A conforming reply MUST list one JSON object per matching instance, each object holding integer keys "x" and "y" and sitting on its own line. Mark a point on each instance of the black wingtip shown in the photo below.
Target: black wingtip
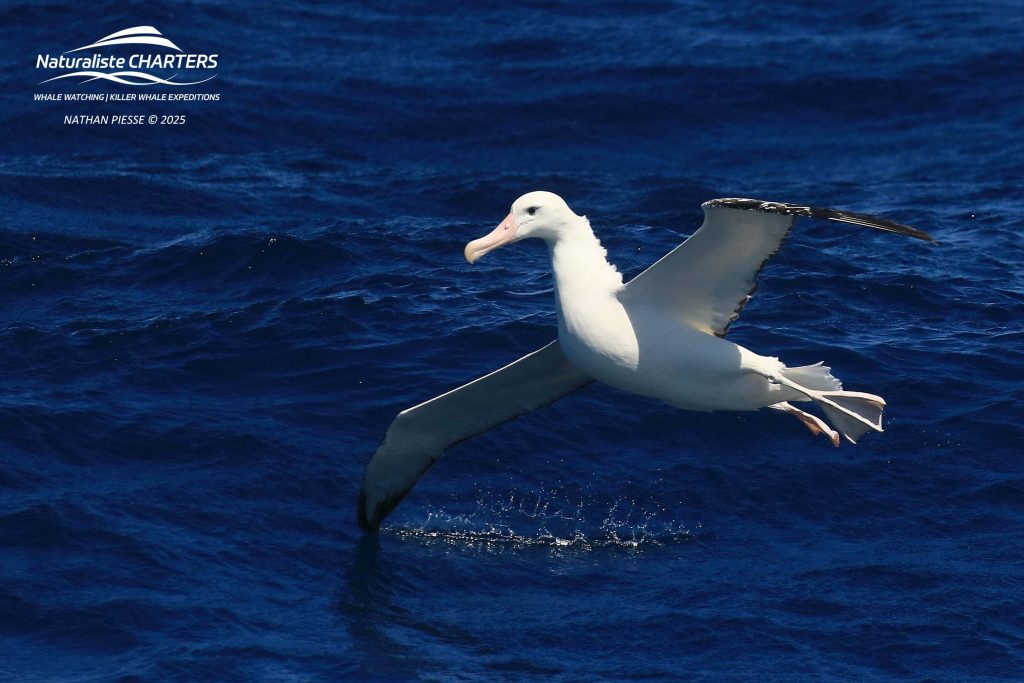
{"x": 365, "y": 523}
{"x": 869, "y": 221}
{"x": 371, "y": 523}
{"x": 820, "y": 212}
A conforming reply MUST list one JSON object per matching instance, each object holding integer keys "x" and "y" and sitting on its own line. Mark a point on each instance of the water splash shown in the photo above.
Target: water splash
{"x": 553, "y": 520}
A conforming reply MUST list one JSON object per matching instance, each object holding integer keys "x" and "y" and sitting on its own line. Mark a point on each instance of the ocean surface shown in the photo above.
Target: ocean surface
{"x": 206, "y": 329}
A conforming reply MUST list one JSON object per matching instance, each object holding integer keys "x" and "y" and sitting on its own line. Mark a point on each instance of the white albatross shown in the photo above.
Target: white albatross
{"x": 662, "y": 335}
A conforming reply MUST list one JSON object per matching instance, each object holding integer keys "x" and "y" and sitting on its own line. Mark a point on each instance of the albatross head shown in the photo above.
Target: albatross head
{"x": 535, "y": 214}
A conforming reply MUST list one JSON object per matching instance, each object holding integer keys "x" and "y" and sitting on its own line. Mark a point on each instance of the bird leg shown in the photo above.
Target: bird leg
{"x": 812, "y": 422}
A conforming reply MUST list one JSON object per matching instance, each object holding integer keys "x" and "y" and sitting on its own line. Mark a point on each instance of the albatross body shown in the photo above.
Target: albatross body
{"x": 629, "y": 342}
{"x": 661, "y": 335}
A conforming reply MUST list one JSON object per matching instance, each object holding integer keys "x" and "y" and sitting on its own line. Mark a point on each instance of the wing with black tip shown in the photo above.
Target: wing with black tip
{"x": 706, "y": 280}
{"x": 419, "y": 436}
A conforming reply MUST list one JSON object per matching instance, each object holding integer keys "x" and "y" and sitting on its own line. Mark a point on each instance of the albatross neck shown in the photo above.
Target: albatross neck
{"x": 580, "y": 264}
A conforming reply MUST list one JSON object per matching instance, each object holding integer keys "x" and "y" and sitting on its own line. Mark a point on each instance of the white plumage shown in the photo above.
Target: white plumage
{"x": 660, "y": 335}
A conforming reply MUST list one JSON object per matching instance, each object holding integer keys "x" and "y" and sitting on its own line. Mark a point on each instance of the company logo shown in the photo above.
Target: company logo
{"x": 138, "y": 68}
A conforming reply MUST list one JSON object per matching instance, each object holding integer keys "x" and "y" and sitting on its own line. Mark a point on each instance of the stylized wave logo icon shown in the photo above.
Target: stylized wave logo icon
{"x": 123, "y": 76}
{"x": 129, "y": 70}
{"x": 136, "y": 35}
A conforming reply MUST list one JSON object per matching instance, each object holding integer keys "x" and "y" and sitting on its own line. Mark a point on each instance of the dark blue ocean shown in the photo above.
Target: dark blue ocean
{"x": 206, "y": 329}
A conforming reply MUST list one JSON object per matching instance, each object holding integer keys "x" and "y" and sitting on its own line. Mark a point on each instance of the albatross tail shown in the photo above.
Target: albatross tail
{"x": 852, "y": 413}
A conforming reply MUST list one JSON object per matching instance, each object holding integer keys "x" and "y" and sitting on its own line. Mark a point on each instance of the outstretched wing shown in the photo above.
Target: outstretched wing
{"x": 421, "y": 434}
{"x": 706, "y": 280}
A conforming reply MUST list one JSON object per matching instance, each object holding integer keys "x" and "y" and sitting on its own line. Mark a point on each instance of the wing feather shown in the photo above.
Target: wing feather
{"x": 708, "y": 279}
{"x": 419, "y": 436}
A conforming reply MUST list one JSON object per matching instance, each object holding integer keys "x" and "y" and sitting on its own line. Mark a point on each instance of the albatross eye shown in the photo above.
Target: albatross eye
{"x": 532, "y": 210}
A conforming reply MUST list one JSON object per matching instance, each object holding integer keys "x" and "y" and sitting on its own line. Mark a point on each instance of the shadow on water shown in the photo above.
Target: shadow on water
{"x": 367, "y": 604}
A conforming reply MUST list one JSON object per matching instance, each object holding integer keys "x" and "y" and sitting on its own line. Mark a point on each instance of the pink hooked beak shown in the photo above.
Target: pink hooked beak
{"x": 503, "y": 234}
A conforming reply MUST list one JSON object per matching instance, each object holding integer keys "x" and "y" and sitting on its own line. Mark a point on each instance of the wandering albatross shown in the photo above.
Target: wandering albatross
{"x": 661, "y": 335}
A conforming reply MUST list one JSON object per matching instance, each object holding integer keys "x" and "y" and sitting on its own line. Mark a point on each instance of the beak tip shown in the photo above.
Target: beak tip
{"x": 503, "y": 234}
